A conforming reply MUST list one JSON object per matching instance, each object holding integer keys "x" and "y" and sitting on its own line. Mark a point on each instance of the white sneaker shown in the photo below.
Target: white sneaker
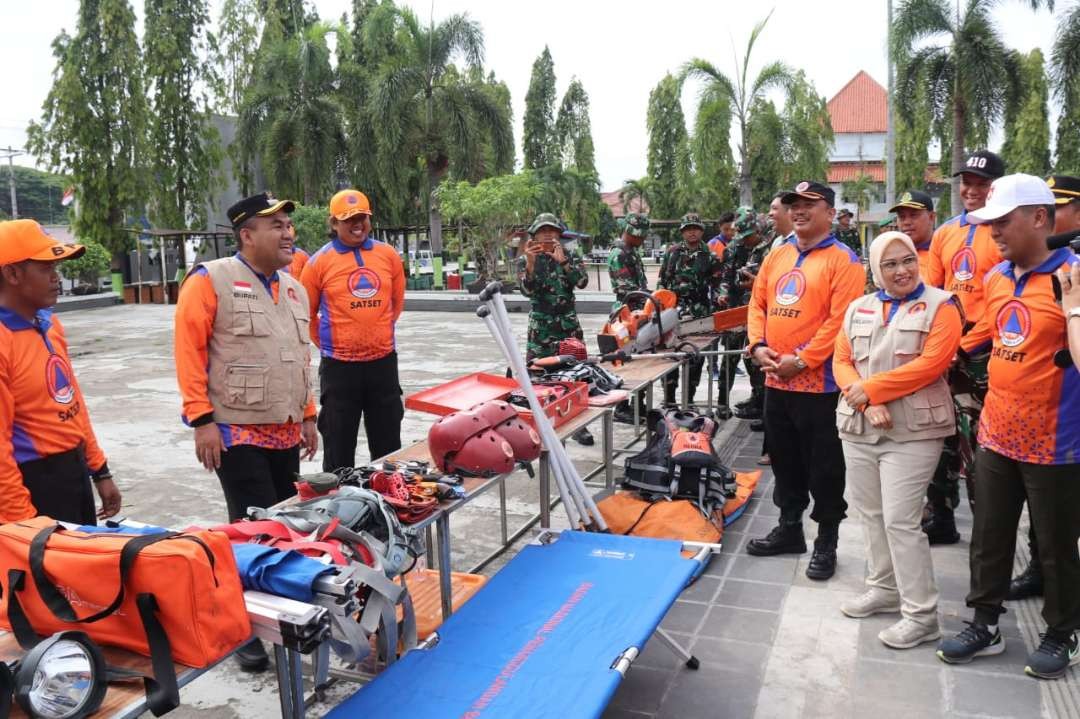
{"x": 908, "y": 633}
{"x": 872, "y": 601}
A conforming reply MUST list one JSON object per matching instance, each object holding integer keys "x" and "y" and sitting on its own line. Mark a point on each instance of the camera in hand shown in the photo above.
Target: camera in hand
{"x": 1065, "y": 239}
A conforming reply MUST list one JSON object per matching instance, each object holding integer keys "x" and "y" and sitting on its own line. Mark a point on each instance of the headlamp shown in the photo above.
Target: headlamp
{"x": 62, "y": 677}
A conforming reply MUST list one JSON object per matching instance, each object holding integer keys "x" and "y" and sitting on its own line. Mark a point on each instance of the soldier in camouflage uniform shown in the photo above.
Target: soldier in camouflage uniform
{"x": 741, "y": 262}
{"x": 624, "y": 263}
{"x": 548, "y": 275}
{"x": 692, "y": 272}
{"x": 846, "y": 233}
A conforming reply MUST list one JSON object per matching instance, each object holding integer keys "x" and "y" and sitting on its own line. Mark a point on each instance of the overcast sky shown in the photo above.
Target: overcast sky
{"x": 619, "y": 51}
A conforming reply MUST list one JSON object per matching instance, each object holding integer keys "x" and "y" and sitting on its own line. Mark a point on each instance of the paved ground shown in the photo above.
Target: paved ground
{"x": 772, "y": 643}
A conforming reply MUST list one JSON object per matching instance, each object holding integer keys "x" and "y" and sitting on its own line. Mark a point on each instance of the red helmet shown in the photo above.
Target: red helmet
{"x": 464, "y": 442}
{"x": 495, "y": 411}
{"x": 522, "y": 438}
{"x": 574, "y": 347}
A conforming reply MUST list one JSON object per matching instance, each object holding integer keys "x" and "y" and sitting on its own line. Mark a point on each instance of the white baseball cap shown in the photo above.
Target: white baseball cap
{"x": 1009, "y": 192}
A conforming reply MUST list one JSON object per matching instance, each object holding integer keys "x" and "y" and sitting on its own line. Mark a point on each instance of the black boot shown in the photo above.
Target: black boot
{"x": 785, "y": 538}
{"x": 252, "y": 657}
{"x": 940, "y": 526}
{"x": 823, "y": 561}
{"x": 1029, "y": 583}
{"x": 583, "y": 437}
{"x": 624, "y": 413}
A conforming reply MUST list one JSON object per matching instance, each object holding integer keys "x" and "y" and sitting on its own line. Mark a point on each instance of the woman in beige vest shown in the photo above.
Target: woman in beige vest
{"x": 891, "y": 356}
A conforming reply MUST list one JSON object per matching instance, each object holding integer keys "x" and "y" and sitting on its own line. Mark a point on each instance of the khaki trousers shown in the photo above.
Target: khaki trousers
{"x": 887, "y": 482}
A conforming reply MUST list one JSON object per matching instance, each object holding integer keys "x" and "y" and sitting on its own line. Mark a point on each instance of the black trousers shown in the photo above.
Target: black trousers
{"x": 257, "y": 477}
{"x": 671, "y": 381}
{"x": 351, "y": 391}
{"x": 1053, "y": 496}
{"x": 726, "y": 367}
{"x": 60, "y": 486}
{"x": 807, "y": 458}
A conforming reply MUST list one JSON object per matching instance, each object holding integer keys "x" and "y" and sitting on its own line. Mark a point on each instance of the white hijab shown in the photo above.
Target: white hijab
{"x": 877, "y": 249}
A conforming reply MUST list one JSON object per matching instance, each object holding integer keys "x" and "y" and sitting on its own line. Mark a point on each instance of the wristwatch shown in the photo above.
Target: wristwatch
{"x": 1074, "y": 312}
{"x": 799, "y": 362}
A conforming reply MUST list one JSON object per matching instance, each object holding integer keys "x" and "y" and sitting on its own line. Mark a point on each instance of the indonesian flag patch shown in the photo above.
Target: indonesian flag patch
{"x": 241, "y": 286}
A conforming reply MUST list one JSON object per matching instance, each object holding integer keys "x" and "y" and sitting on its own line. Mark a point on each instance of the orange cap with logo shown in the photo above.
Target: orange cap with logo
{"x": 347, "y": 203}
{"x": 25, "y": 240}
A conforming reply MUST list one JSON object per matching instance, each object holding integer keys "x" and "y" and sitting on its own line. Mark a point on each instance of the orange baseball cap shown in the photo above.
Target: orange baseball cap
{"x": 347, "y": 203}
{"x": 25, "y": 240}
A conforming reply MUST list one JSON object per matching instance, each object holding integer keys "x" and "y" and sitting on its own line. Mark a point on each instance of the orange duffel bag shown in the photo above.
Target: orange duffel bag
{"x": 125, "y": 590}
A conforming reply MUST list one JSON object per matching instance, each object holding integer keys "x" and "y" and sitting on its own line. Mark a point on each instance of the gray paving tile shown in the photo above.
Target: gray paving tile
{"x": 743, "y": 624}
{"x": 886, "y": 689}
{"x": 642, "y": 689}
{"x": 738, "y": 657}
{"x": 779, "y": 570}
{"x": 656, "y": 654}
{"x": 719, "y": 564}
{"x": 684, "y": 617}
{"x": 712, "y": 691}
{"x": 614, "y": 713}
{"x": 995, "y": 696}
{"x": 702, "y": 590}
{"x": 751, "y": 595}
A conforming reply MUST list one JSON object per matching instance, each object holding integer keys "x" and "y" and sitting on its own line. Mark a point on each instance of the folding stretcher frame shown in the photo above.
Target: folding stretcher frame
{"x": 551, "y": 635}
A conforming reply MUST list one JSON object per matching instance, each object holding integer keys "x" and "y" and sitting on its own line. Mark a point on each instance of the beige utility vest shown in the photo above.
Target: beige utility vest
{"x": 926, "y": 413}
{"x": 259, "y": 351}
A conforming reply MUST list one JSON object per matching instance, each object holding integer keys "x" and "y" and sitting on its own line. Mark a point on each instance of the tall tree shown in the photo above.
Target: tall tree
{"x": 1027, "y": 127}
{"x": 764, "y": 142}
{"x": 483, "y": 160}
{"x": 1065, "y": 73}
{"x": 290, "y": 119}
{"x": 912, "y": 146}
{"x": 669, "y": 165}
{"x": 182, "y": 146}
{"x": 710, "y": 148}
{"x": 573, "y": 130}
{"x": 957, "y": 53}
{"x": 742, "y": 95}
{"x": 93, "y": 122}
{"x": 234, "y": 47}
{"x": 808, "y": 134}
{"x": 422, "y": 106}
{"x": 538, "y": 137}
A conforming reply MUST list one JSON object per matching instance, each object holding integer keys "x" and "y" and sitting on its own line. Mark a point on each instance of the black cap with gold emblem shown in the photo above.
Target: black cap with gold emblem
{"x": 259, "y": 205}
{"x": 1066, "y": 188}
{"x": 810, "y": 191}
{"x": 915, "y": 200}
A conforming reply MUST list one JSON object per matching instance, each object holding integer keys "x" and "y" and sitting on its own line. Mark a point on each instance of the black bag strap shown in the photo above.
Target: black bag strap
{"x": 162, "y": 691}
{"x": 57, "y": 602}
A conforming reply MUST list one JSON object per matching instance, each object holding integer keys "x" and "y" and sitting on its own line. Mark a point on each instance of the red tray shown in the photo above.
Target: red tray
{"x": 461, "y": 393}
{"x": 464, "y": 392}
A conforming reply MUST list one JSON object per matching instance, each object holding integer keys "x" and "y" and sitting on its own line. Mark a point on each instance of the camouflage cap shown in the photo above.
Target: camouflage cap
{"x": 691, "y": 219}
{"x": 745, "y": 223}
{"x": 637, "y": 224}
{"x": 546, "y": 219}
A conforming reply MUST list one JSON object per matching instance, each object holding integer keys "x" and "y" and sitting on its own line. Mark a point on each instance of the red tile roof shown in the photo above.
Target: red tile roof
{"x": 850, "y": 171}
{"x": 860, "y": 106}
{"x": 612, "y": 200}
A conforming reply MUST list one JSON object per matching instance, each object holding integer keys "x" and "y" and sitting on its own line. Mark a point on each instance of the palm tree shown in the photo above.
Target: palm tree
{"x": 741, "y": 95}
{"x": 421, "y": 104}
{"x": 957, "y": 54}
{"x": 289, "y": 117}
{"x": 635, "y": 190}
{"x": 1065, "y": 74}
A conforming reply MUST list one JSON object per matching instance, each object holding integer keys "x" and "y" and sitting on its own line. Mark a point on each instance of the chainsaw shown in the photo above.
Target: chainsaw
{"x": 657, "y": 324}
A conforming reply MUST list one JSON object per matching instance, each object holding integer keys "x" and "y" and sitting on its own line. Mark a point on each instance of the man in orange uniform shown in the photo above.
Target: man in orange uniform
{"x": 48, "y": 452}
{"x": 299, "y": 261}
{"x": 915, "y": 217}
{"x": 718, "y": 245}
{"x": 356, "y": 288}
{"x": 242, "y": 357}
{"x": 1029, "y": 432}
{"x": 796, "y": 309}
{"x": 961, "y": 253}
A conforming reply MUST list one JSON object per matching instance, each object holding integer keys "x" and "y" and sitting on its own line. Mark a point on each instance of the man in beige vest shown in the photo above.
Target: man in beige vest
{"x": 242, "y": 355}
{"x": 890, "y": 361}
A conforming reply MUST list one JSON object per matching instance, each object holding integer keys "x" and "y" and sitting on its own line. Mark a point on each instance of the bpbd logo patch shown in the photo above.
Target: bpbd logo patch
{"x": 1014, "y": 323}
{"x": 58, "y": 380}
{"x": 963, "y": 264}
{"x": 364, "y": 283}
{"x": 790, "y": 288}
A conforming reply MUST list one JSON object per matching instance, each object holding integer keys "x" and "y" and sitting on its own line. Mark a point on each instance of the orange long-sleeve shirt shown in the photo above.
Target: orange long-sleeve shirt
{"x": 42, "y": 409}
{"x": 194, "y": 325}
{"x": 357, "y": 294}
{"x": 299, "y": 262}
{"x": 960, "y": 256}
{"x": 798, "y": 304}
{"x": 1032, "y": 408}
{"x": 937, "y": 354}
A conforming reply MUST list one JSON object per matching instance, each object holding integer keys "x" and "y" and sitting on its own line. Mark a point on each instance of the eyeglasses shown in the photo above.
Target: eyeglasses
{"x": 909, "y": 262}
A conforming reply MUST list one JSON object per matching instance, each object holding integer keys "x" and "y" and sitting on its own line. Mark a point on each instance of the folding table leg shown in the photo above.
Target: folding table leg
{"x": 690, "y": 660}
{"x": 607, "y": 447}
{"x": 442, "y": 531}
{"x": 290, "y": 682}
{"x": 545, "y": 490}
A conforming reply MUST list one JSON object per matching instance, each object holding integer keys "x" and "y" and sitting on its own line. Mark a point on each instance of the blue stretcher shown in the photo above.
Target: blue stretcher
{"x": 551, "y": 635}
